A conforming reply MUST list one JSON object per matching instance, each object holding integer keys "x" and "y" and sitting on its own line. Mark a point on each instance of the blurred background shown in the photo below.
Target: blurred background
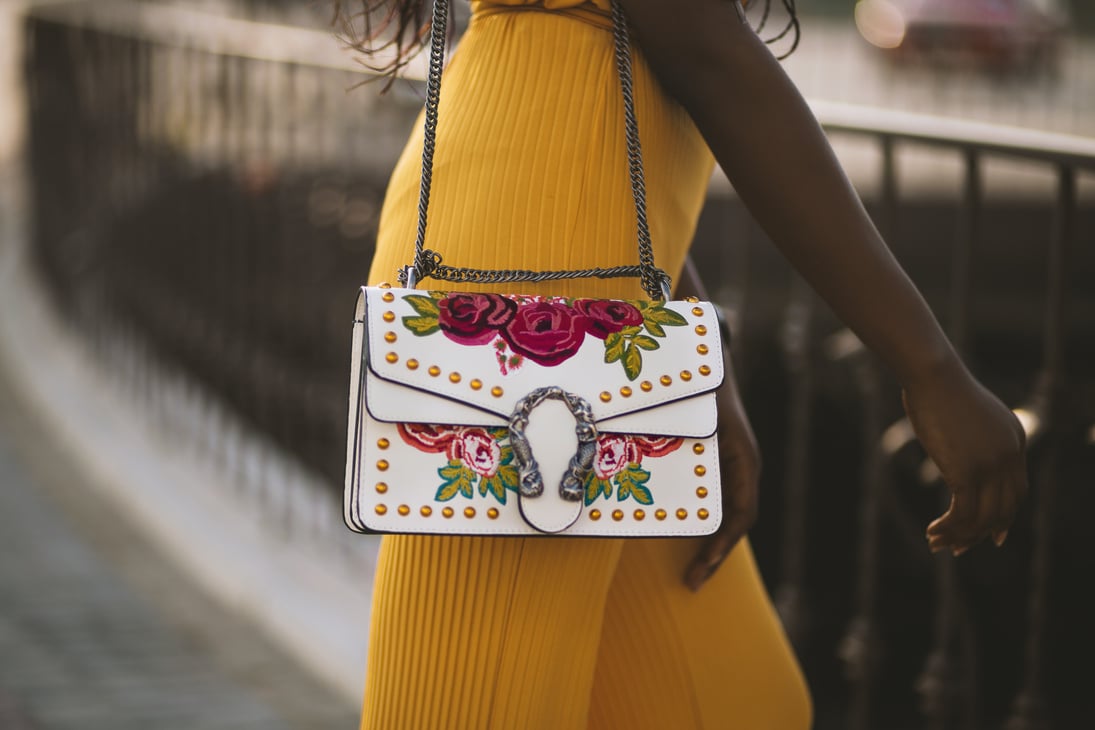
{"x": 188, "y": 196}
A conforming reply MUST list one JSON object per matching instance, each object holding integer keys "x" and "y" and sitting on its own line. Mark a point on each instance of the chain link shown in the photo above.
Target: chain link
{"x": 427, "y": 263}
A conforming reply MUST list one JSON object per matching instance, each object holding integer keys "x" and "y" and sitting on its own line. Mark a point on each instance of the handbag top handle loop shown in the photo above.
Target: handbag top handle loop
{"x": 427, "y": 263}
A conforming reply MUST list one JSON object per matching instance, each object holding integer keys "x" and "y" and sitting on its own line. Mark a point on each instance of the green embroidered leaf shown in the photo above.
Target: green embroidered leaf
{"x": 500, "y": 434}
{"x": 509, "y": 477}
{"x": 421, "y": 326}
{"x": 494, "y": 486}
{"x": 630, "y": 483}
{"x": 595, "y": 488}
{"x": 438, "y": 295}
{"x": 507, "y": 473}
{"x": 646, "y": 343}
{"x": 629, "y": 332}
{"x": 633, "y": 362}
{"x": 614, "y": 347}
{"x": 426, "y": 306}
{"x": 663, "y": 316}
{"x": 458, "y": 480}
{"x": 654, "y": 328}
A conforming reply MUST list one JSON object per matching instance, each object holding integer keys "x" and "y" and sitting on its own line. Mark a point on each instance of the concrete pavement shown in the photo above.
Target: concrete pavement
{"x": 98, "y": 629}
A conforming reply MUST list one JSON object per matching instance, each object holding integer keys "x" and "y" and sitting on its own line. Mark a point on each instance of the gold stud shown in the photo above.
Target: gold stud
{"x": 383, "y": 443}
{"x": 701, "y": 330}
{"x": 381, "y": 509}
{"x": 384, "y": 285}
{"x": 426, "y": 511}
{"x": 606, "y": 396}
{"x": 412, "y": 364}
{"x": 665, "y": 380}
{"x": 691, "y": 300}
{"x": 476, "y": 384}
{"x": 617, "y": 514}
{"x": 702, "y": 349}
{"x": 496, "y": 392}
{"x": 698, "y": 311}
{"x": 686, "y": 375}
{"x": 625, "y": 392}
{"x": 469, "y": 512}
{"x": 390, "y": 337}
{"x": 388, "y": 316}
{"x": 381, "y": 487}
{"x": 595, "y": 515}
{"x": 392, "y": 357}
{"x": 700, "y": 470}
{"x": 682, "y": 513}
{"x": 454, "y": 377}
{"x": 388, "y": 297}
{"x": 701, "y": 492}
{"x": 492, "y": 513}
{"x": 434, "y": 371}
{"x": 702, "y": 514}
{"x": 382, "y": 465}
{"x": 704, "y": 370}
{"x": 698, "y": 448}
{"x": 640, "y": 515}
{"x": 447, "y": 512}
{"x": 659, "y": 514}
{"x": 646, "y": 386}
{"x": 404, "y": 510}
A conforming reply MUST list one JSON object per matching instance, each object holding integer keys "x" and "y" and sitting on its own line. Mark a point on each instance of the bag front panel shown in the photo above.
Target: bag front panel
{"x": 464, "y": 480}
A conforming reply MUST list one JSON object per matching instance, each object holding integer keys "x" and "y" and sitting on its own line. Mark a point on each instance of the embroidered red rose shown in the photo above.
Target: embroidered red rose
{"x": 657, "y": 445}
{"x": 478, "y": 451}
{"x": 545, "y": 332}
{"x": 474, "y": 319}
{"x": 614, "y": 453}
{"x": 427, "y": 437}
{"x": 606, "y": 316}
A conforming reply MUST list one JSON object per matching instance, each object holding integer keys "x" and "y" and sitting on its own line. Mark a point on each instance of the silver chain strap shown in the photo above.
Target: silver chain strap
{"x": 427, "y": 263}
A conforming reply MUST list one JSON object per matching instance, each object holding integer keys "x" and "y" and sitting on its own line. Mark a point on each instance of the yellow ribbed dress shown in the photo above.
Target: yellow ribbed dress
{"x": 513, "y": 633}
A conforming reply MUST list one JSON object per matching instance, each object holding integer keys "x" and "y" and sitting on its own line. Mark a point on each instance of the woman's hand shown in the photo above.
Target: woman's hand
{"x": 979, "y": 447}
{"x": 739, "y": 464}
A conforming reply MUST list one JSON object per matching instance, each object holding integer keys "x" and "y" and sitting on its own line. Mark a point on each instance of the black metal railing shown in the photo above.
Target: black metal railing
{"x": 204, "y": 200}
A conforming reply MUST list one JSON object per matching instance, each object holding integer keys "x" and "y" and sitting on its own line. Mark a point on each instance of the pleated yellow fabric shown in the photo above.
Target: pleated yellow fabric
{"x": 531, "y": 164}
{"x": 512, "y": 633}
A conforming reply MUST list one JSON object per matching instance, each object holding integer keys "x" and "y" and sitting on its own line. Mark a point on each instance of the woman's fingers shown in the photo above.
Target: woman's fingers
{"x": 710, "y": 557}
{"x": 739, "y": 464}
{"x": 979, "y": 447}
{"x": 739, "y": 512}
{"x": 977, "y": 513}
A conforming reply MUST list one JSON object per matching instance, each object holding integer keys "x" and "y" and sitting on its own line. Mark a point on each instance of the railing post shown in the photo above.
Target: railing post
{"x": 947, "y": 684}
{"x": 862, "y": 649}
{"x": 796, "y": 342}
{"x": 1029, "y": 711}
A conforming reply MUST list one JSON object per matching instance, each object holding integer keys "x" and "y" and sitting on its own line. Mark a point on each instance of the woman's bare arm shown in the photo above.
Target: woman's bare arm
{"x": 780, "y": 163}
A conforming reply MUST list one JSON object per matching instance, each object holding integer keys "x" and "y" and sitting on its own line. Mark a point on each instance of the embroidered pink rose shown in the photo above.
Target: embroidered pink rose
{"x": 478, "y": 451}
{"x": 474, "y": 319}
{"x": 545, "y": 332}
{"x": 606, "y": 316}
{"x": 614, "y": 453}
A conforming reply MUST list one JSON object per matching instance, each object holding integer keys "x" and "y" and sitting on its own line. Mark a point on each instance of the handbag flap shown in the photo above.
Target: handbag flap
{"x": 440, "y": 357}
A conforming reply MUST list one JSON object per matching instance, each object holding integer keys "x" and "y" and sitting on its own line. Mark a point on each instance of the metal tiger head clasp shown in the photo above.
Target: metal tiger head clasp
{"x": 572, "y": 485}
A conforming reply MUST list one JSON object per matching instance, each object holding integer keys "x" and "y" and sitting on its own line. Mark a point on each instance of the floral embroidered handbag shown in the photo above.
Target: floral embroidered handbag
{"x": 492, "y": 414}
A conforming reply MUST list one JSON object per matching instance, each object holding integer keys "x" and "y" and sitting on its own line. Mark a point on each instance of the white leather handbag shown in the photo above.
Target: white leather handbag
{"x": 490, "y": 414}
